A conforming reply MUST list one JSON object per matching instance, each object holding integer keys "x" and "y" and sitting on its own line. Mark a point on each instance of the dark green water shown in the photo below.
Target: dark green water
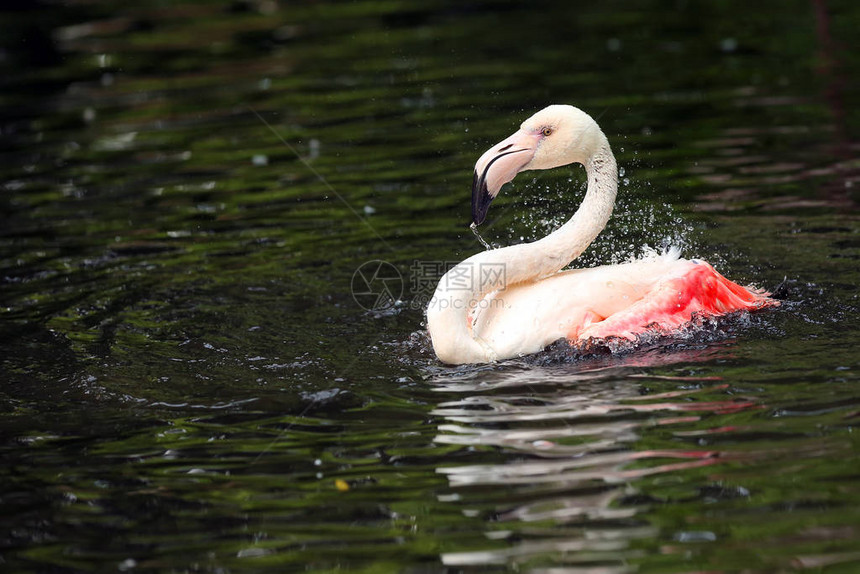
{"x": 188, "y": 384}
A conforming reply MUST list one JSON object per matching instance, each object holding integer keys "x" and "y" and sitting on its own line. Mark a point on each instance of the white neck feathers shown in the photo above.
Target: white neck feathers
{"x": 462, "y": 289}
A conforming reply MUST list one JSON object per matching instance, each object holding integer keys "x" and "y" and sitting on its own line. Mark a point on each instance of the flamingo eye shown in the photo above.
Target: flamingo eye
{"x": 546, "y": 131}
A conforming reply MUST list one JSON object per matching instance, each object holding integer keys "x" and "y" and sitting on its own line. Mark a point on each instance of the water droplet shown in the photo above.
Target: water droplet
{"x": 695, "y": 536}
{"x": 728, "y": 44}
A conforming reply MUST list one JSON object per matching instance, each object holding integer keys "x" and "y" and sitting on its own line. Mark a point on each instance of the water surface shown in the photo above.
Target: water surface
{"x": 188, "y": 383}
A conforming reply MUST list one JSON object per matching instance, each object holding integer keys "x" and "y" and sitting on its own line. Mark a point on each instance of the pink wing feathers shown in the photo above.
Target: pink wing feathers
{"x": 695, "y": 289}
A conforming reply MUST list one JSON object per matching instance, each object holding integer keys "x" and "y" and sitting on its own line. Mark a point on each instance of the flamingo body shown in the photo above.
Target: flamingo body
{"x": 625, "y": 301}
{"x": 532, "y": 303}
{"x": 689, "y": 289}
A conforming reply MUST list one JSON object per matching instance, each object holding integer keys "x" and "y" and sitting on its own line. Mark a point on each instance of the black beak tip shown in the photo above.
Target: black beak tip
{"x": 481, "y": 199}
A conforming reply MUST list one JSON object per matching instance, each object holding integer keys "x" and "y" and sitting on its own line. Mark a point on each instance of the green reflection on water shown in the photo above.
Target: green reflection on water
{"x": 187, "y": 377}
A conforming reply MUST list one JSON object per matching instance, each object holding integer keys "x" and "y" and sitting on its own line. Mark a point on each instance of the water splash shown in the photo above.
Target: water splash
{"x": 638, "y": 226}
{"x": 474, "y": 227}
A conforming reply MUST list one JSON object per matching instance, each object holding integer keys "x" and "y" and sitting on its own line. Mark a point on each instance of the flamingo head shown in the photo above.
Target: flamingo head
{"x": 555, "y": 136}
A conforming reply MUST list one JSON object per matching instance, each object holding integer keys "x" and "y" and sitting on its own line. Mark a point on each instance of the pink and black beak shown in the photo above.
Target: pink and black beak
{"x": 499, "y": 165}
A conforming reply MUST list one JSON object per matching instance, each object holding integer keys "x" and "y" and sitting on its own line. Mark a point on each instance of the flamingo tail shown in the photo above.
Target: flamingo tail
{"x": 697, "y": 289}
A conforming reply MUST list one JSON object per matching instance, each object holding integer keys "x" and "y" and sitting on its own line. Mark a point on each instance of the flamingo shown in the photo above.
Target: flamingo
{"x": 514, "y": 301}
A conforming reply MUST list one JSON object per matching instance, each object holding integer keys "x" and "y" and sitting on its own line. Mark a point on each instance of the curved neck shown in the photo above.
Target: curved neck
{"x": 551, "y": 253}
{"x": 466, "y": 285}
